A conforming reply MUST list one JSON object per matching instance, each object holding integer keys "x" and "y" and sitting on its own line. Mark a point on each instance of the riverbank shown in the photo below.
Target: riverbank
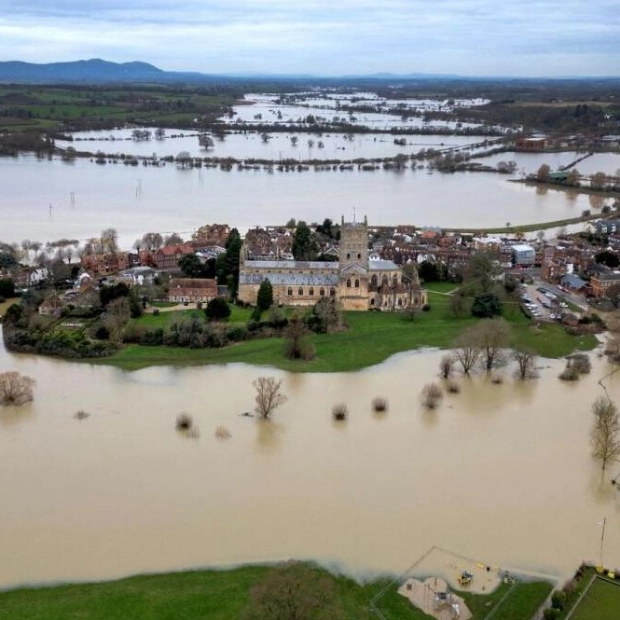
{"x": 225, "y": 594}
{"x": 371, "y": 338}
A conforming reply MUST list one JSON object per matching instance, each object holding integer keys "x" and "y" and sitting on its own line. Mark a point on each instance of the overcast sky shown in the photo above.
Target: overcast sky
{"x": 322, "y": 37}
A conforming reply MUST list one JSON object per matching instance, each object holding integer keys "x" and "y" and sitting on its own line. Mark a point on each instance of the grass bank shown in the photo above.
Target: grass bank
{"x": 221, "y": 595}
{"x": 371, "y": 338}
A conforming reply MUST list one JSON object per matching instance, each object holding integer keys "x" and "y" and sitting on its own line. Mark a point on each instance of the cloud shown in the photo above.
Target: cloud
{"x": 334, "y": 37}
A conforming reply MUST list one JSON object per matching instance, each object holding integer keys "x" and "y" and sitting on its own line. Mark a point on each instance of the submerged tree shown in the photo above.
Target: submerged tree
{"x": 268, "y": 395}
{"x": 15, "y": 389}
{"x": 526, "y": 362}
{"x": 604, "y": 434}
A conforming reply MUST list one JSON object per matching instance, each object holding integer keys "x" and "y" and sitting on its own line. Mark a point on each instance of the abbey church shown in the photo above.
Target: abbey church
{"x": 357, "y": 281}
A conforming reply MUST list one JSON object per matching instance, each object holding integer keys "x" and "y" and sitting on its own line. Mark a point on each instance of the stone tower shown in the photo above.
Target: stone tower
{"x": 353, "y": 265}
{"x": 354, "y": 244}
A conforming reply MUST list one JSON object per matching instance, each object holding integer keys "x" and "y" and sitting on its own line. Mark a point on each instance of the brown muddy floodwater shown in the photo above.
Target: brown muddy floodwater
{"x": 500, "y": 473}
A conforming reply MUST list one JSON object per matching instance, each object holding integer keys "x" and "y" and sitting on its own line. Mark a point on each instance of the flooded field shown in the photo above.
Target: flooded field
{"x": 500, "y": 473}
{"x": 45, "y": 200}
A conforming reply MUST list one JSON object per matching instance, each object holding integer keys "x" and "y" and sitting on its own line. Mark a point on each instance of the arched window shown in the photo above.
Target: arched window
{"x": 290, "y": 291}
{"x": 359, "y": 256}
{"x": 349, "y": 283}
{"x": 357, "y": 283}
{"x": 332, "y": 292}
{"x": 372, "y": 301}
{"x": 322, "y": 292}
{"x": 394, "y": 280}
{"x": 400, "y": 302}
{"x": 373, "y": 281}
{"x": 348, "y": 256}
{"x": 300, "y": 291}
{"x": 311, "y": 292}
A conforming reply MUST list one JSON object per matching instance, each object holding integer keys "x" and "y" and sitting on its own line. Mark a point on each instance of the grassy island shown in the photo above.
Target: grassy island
{"x": 370, "y": 339}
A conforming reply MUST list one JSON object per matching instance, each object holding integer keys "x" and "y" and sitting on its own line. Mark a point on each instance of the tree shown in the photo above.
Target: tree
{"x": 217, "y": 309}
{"x": 294, "y": 140}
{"x": 296, "y": 347}
{"x": 268, "y": 395}
{"x": 15, "y": 389}
{"x": 304, "y": 246}
{"x": 598, "y": 180}
{"x": 604, "y": 434}
{"x": 184, "y": 159}
{"x": 117, "y": 314}
{"x": 491, "y": 336}
{"x": 193, "y": 267}
{"x": 152, "y": 241}
{"x": 526, "y": 362}
{"x": 7, "y": 288}
{"x": 486, "y": 305}
{"x": 326, "y": 316}
{"x": 467, "y": 351}
{"x": 160, "y": 133}
{"x": 483, "y": 273}
{"x": 264, "y": 299}
{"x": 173, "y": 239}
{"x": 543, "y": 173}
{"x": 228, "y": 263}
{"x": 607, "y": 257}
{"x": 294, "y": 592}
{"x": 109, "y": 240}
{"x": 206, "y": 141}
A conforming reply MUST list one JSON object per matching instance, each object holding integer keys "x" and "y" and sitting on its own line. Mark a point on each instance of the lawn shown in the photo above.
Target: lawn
{"x": 371, "y": 338}
{"x": 221, "y": 595}
{"x": 600, "y": 602}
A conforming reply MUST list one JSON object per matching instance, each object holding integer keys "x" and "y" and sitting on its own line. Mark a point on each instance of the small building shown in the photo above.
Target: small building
{"x": 168, "y": 257}
{"x": 573, "y": 282}
{"x": 192, "y": 290}
{"x": 533, "y": 143}
{"x": 523, "y": 254}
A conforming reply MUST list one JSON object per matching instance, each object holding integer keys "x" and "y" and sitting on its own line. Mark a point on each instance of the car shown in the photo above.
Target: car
{"x": 546, "y": 304}
{"x": 542, "y": 290}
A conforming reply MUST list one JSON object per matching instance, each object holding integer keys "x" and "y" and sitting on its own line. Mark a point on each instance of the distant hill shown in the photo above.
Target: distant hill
{"x": 88, "y": 71}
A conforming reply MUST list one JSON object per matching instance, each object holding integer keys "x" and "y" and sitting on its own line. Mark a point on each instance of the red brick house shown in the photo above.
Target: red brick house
{"x": 168, "y": 257}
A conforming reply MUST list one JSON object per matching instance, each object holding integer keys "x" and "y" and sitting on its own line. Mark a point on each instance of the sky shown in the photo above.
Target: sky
{"x": 521, "y": 38}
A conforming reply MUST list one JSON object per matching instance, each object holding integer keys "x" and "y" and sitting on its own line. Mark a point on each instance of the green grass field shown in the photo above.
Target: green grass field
{"x": 371, "y": 338}
{"x": 222, "y": 595}
{"x": 600, "y": 602}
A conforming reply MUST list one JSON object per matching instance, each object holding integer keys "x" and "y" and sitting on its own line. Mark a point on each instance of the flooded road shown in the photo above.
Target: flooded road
{"x": 501, "y": 473}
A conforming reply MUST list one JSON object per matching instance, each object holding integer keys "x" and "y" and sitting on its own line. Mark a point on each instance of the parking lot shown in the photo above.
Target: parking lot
{"x": 542, "y": 303}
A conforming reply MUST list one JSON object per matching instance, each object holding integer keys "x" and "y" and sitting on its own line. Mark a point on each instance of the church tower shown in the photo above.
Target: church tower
{"x": 353, "y": 267}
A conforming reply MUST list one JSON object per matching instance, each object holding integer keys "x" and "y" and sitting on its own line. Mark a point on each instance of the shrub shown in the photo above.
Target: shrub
{"x": 453, "y": 387}
{"x": 558, "y": 599}
{"x": 155, "y": 311}
{"x": 551, "y": 613}
{"x": 221, "y": 432}
{"x": 217, "y": 309}
{"x": 81, "y": 415}
{"x": 236, "y": 333}
{"x": 570, "y": 373}
{"x": 497, "y": 379}
{"x": 184, "y": 422}
{"x": 379, "y": 405}
{"x": 340, "y": 412}
{"x": 426, "y": 308}
{"x": 581, "y": 363}
{"x": 431, "y": 395}
{"x": 445, "y": 365}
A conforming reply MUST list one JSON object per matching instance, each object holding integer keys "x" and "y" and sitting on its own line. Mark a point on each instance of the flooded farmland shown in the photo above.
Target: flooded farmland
{"x": 502, "y": 473}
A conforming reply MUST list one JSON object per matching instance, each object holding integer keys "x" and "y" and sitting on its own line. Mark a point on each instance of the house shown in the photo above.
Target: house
{"x": 104, "y": 264}
{"x": 168, "y": 257}
{"x": 51, "y": 306}
{"x": 192, "y": 289}
{"x": 533, "y": 143}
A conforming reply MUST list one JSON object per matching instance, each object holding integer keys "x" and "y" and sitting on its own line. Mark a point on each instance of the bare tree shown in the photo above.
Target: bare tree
{"x": 604, "y": 434}
{"x": 173, "y": 239}
{"x": 446, "y": 365}
{"x": 467, "y": 351}
{"x": 526, "y": 362}
{"x": 152, "y": 241}
{"x": 492, "y": 336}
{"x": 15, "y": 389}
{"x": 268, "y": 395}
{"x": 109, "y": 240}
{"x": 431, "y": 395}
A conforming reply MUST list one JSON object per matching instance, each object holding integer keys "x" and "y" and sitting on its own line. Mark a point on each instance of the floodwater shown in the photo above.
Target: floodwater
{"x": 45, "y": 200}
{"x": 499, "y": 473}
{"x": 252, "y": 146}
